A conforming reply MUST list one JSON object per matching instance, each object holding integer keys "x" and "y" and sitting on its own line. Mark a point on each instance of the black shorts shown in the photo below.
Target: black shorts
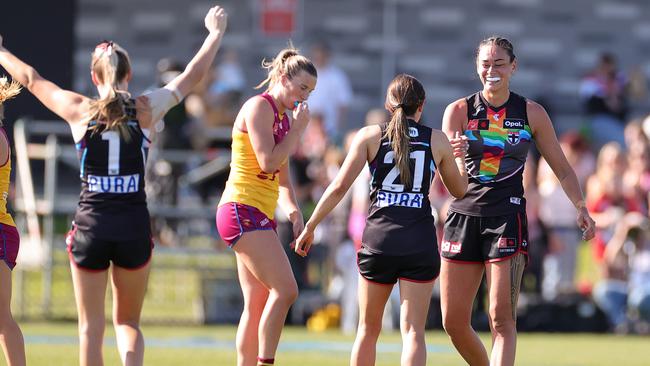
{"x": 88, "y": 252}
{"x": 477, "y": 239}
{"x": 387, "y": 269}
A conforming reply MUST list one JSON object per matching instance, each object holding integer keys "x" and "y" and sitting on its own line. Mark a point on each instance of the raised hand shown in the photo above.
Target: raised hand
{"x": 216, "y": 20}
{"x": 301, "y": 115}
{"x": 459, "y": 145}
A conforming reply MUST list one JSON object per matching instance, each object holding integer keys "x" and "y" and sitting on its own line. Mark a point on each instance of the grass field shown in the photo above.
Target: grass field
{"x": 56, "y": 344}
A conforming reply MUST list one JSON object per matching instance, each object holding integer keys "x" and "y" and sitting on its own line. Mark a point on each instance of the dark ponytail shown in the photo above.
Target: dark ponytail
{"x": 404, "y": 96}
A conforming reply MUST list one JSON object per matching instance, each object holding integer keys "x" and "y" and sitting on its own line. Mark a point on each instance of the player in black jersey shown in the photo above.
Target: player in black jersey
{"x": 399, "y": 240}
{"x": 112, "y": 221}
{"x": 486, "y": 230}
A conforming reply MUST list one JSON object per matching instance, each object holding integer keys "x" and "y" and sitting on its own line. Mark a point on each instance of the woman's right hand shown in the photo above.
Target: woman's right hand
{"x": 304, "y": 241}
{"x": 216, "y": 20}
{"x": 301, "y": 116}
{"x": 459, "y": 145}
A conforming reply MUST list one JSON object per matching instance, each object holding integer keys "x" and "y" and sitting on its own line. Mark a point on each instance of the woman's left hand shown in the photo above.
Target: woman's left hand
{"x": 586, "y": 224}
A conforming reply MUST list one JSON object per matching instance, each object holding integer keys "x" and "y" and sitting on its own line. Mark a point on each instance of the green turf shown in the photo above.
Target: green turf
{"x": 54, "y": 344}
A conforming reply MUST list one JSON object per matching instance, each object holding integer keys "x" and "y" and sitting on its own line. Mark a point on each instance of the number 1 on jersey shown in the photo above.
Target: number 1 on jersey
{"x": 113, "y": 139}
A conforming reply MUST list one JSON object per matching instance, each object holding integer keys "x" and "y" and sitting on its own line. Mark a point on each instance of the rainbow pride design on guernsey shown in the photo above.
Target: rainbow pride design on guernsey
{"x": 495, "y": 138}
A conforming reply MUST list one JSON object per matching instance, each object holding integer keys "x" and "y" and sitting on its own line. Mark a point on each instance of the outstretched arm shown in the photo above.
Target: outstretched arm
{"x": 66, "y": 104}
{"x": 549, "y": 147}
{"x": 215, "y": 21}
{"x": 352, "y": 166}
{"x": 451, "y": 162}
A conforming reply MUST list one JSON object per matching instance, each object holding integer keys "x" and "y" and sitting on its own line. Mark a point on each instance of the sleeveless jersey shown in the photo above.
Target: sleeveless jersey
{"x": 5, "y": 173}
{"x": 399, "y": 218}
{"x": 112, "y": 165}
{"x": 247, "y": 182}
{"x": 499, "y": 139}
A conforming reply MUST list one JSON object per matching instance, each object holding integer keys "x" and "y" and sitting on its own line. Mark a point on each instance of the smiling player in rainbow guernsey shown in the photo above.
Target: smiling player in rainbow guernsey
{"x": 486, "y": 230}
{"x": 499, "y": 135}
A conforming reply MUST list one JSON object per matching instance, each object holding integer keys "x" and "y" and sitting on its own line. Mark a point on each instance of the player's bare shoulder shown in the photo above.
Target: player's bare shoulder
{"x": 256, "y": 108}
{"x": 537, "y": 115}
{"x": 457, "y": 107}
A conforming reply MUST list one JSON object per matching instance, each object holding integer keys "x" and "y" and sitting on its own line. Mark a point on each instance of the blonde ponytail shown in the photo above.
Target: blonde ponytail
{"x": 110, "y": 65}
{"x": 8, "y": 90}
{"x": 288, "y": 62}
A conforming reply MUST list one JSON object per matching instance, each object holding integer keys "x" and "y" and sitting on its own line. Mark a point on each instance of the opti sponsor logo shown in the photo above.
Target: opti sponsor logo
{"x": 515, "y": 200}
{"x": 264, "y": 221}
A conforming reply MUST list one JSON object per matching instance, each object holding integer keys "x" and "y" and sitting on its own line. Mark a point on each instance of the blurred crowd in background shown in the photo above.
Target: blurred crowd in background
{"x": 610, "y": 152}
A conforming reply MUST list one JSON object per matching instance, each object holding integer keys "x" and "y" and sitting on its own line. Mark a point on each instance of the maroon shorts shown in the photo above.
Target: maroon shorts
{"x": 9, "y": 244}
{"x": 235, "y": 219}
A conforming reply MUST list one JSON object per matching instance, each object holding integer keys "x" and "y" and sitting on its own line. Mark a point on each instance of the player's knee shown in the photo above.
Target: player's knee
{"x": 91, "y": 329}
{"x": 502, "y": 319}
{"x": 287, "y": 293}
{"x": 454, "y": 325}
{"x": 369, "y": 329}
{"x": 131, "y": 319}
{"x": 411, "y": 333}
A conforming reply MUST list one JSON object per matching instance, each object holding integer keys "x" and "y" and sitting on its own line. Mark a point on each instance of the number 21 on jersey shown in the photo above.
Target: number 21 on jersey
{"x": 418, "y": 174}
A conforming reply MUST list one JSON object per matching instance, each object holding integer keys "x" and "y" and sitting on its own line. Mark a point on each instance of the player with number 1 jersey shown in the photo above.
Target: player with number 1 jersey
{"x": 111, "y": 227}
{"x": 112, "y": 198}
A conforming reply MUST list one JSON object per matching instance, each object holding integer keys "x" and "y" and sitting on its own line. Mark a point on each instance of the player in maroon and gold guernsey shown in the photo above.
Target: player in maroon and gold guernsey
{"x": 11, "y": 338}
{"x": 111, "y": 227}
{"x": 486, "y": 231}
{"x": 259, "y": 181}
